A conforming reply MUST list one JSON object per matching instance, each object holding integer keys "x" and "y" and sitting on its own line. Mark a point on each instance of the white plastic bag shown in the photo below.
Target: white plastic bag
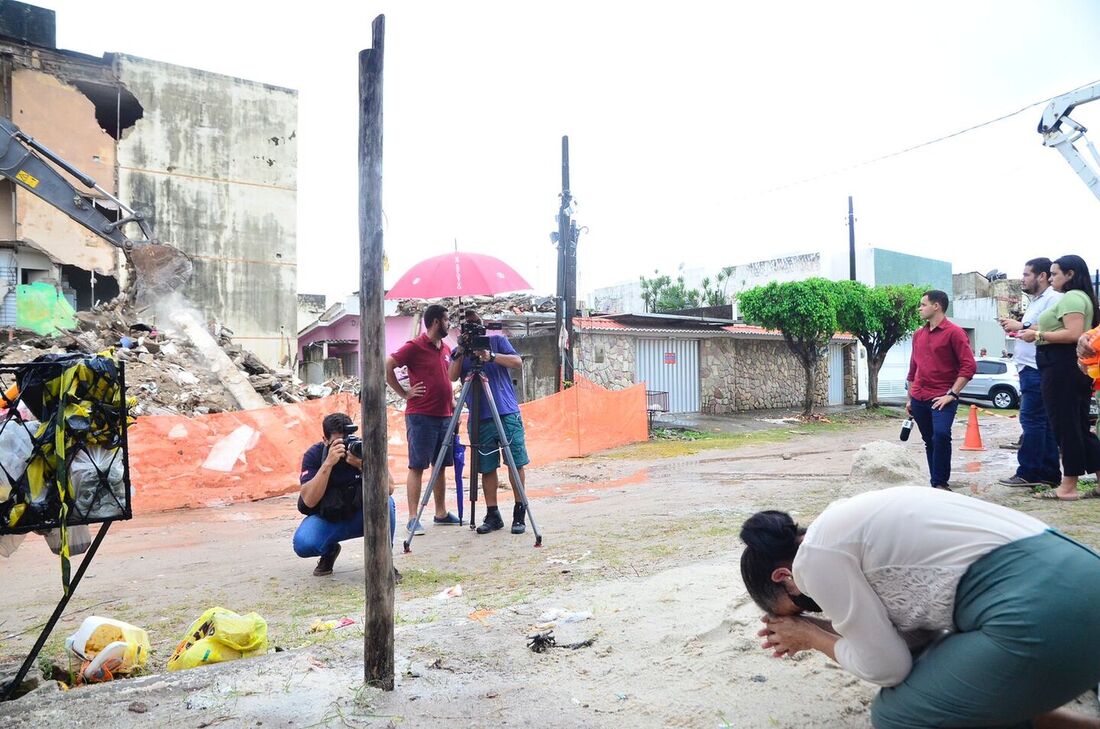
{"x": 80, "y": 538}
{"x": 84, "y": 475}
{"x": 15, "y": 450}
{"x": 9, "y": 543}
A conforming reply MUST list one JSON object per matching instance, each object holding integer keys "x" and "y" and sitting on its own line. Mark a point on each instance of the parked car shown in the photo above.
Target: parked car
{"x": 995, "y": 380}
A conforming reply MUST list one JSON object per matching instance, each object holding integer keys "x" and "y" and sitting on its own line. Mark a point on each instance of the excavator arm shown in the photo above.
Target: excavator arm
{"x": 1062, "y": 133}
{"x": 159, "y": 268}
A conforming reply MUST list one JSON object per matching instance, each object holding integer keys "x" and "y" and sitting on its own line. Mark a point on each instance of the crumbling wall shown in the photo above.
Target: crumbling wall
{"x": 61, "y": 117}
{"x": 214, "y": 162}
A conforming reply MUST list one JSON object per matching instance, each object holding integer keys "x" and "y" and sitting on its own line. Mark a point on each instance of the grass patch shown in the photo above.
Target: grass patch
{"x": 423, "y": 581}
{"x": 704, "y": 441}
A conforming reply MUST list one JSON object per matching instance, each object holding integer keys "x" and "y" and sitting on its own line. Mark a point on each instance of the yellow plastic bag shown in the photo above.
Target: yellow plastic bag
{"x": 220, "y": 635}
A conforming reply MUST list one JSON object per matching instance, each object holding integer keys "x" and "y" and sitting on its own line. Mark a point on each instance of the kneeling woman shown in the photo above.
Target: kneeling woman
{"x": 1019, "y": 601}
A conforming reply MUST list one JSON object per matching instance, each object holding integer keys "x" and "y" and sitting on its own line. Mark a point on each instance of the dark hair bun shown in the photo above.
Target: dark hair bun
{"x": 771, "y": 532}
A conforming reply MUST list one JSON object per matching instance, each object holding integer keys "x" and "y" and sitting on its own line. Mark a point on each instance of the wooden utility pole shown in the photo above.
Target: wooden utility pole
{"x": 377, "y": 554}
{"x": 567, "y": 272}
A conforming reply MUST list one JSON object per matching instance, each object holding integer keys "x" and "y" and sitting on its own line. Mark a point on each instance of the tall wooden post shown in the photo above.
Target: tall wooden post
{"x": 377, "y": 556}
{"x": 567, "y": 274}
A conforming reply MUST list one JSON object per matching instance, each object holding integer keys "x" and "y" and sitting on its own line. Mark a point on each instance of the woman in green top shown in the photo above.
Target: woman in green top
{"x": 1066, "y": 390}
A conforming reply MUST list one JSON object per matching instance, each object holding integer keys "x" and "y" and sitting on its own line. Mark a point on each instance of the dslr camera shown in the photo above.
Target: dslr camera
{"x": 353, "y": 443}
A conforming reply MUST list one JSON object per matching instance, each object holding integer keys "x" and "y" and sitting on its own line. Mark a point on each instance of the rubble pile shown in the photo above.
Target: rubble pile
{"x": 489, "y": 307}
{"x": 164, "y": 370}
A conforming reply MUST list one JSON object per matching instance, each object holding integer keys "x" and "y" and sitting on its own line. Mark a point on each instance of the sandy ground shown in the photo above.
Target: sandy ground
{"x": 643, "y": 538}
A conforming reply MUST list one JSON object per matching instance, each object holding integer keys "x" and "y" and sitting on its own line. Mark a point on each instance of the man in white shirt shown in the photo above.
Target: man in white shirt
{"x": 1038, "y": 454}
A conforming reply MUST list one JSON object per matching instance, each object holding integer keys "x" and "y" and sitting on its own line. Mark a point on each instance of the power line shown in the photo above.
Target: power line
{"x": 912, "y": 148}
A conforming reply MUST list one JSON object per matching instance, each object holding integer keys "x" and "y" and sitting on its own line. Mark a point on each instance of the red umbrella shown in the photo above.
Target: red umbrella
{"x": 457, "y": 274}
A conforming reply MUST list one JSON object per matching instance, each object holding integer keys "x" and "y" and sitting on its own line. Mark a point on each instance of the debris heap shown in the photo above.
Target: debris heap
{"x": 489, "y": 307}
{"x": 164, "y": 370}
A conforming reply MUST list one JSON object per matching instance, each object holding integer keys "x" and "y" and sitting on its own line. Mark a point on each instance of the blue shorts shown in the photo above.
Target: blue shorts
{"x": 489, "y": 452}
{"x": 425, "y": 435}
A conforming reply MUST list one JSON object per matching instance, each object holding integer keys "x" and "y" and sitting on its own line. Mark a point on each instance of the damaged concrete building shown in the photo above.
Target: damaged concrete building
{"x": 211, "y": 160}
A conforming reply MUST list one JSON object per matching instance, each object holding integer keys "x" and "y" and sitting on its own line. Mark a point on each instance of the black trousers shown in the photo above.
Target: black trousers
{"x": 1066, "y": 394}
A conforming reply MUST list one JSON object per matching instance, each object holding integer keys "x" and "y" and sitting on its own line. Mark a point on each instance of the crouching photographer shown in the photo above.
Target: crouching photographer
{"x": 496, "y": 356}
{"x": 332, "y": 494}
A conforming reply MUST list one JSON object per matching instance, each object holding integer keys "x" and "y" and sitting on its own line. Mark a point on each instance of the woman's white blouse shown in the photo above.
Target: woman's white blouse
{"x": 889, "y": 561}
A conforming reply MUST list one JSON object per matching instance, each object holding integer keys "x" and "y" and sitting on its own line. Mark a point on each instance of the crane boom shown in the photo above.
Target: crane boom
{"x": 159, "y": 268}
{"x": 1062, "y": 133}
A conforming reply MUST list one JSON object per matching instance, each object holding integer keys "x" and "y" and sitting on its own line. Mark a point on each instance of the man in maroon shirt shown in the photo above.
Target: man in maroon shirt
{"x": 430, "y": 404}
{"x": 941, "y": 365}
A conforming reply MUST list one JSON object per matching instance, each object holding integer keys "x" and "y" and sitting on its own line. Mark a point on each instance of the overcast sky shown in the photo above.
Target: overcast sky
{"x": 689, "y": 122}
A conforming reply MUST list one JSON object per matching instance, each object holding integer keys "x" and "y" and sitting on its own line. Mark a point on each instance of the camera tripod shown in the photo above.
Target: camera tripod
{"x": 477, "y": 385}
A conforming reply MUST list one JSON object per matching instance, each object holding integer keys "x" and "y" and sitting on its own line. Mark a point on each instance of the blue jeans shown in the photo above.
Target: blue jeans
{"x": 1038, "y": 454}
{"x": 935, "y": 430}
{"x": 317, "y": 536}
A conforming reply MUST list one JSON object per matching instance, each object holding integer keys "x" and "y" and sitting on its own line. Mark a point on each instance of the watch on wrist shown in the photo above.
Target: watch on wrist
{"x": 492, "y": 356}
{"x": 953, "y": 394}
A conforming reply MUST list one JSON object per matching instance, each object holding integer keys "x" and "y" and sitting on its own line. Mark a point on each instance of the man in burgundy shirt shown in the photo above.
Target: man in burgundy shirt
{"x": 941, "y": 365}
{"x": 430, "y": 404}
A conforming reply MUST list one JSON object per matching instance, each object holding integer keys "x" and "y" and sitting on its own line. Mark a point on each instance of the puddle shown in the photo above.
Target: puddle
{"x": 973, "y": 467}
{"x": 584, "y": 499}
{"x": 640, "y": 476}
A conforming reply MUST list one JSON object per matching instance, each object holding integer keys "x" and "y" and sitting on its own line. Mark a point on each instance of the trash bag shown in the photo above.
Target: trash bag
{"x": 107, "y": 648}
{"x": 96, "y": 477}
{"x": 15, "y": 451}
{"x": 220, "y": 635}
{"x": 80, "y": 538}
{"x": 9, "y": 543}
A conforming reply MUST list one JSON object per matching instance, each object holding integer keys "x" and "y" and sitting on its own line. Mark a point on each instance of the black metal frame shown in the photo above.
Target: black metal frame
{"x": 7, "y": 377}
{"x": 656, "y": 401}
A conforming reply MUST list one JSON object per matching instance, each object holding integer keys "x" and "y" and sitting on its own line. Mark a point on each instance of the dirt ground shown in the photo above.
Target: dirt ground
{"x": 642, "y": 538}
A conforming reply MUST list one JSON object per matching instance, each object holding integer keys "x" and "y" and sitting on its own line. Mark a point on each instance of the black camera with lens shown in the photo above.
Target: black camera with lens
{"x": 472, "y": 336}
{"x": 353, "y": 444}
{"x": 473, "y": 332}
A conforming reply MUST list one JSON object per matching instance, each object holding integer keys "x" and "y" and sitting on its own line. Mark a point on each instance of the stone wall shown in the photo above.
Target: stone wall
{"x": 851, "y": 374}
{"x": 718, "y": 373}
{"x": 754, "y": 374}
{"x": 735, "y": 374}
{"x": 606, "y": 359}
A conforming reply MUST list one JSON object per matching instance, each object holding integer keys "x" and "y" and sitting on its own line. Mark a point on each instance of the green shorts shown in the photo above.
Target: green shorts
{"x": 489, "y": 452}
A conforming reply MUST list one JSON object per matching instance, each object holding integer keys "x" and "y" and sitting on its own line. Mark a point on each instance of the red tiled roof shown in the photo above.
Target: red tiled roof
{"x": 591, "y": 322}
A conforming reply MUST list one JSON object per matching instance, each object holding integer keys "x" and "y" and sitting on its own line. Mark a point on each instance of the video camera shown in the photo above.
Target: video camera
{"x": 353, "y": 443}
{"x": 473, "y": 332}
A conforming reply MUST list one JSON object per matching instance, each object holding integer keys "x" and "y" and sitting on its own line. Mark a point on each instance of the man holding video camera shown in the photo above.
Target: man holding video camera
{"x": 332, "y": 495}
{"x": 496, "y": 356}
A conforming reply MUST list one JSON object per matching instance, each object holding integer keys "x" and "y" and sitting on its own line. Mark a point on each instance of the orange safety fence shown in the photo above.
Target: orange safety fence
{"x": 178, "y": 462}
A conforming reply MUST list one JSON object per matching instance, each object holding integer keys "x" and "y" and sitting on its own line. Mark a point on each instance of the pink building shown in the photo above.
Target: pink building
{"x": 329, "y": 347}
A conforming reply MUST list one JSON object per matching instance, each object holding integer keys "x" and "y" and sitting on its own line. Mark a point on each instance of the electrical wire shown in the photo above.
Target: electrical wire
{"x": 912, "y": 148}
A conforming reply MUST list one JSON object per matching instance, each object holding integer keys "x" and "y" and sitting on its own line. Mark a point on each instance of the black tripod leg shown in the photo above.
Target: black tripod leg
{"x": 437, "y": 468}
{"x": 9, "y": 692}
{"x": 475, "y": 447}
{"x": 513, "y": 471}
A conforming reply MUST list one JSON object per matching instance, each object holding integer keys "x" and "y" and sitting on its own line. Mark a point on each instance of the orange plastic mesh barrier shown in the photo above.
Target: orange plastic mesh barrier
{"x": 178, "y": 462}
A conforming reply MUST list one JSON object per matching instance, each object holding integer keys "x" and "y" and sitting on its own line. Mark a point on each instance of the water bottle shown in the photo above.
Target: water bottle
{"x": 906, "y": 428}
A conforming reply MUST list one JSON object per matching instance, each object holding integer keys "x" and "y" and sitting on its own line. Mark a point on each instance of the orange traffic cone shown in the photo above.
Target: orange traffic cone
{"x": 973, "y": 440}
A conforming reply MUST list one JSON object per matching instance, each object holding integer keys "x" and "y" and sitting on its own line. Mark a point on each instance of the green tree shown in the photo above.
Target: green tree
{"x": 651, "y": 289}
{"x": 661, "y": 294}
{"x": 716, "y": 294}
{"x": 804, "y": 312}
{"x": 879, "y": 318}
